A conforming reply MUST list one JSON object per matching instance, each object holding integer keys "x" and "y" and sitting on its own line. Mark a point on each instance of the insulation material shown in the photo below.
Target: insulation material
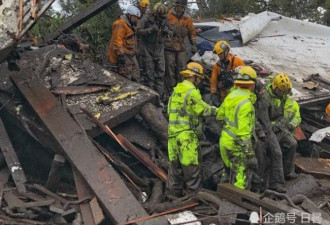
{"x": 253, "y": 25}
{"x": 319, "y": 135}
{"x": 283, "y": 44}
{"x": 183, "y": 217}
{"x": 291, "y": 46}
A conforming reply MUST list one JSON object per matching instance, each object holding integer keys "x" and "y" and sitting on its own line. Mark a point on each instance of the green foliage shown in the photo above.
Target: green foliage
{"x": 96, "y": 31}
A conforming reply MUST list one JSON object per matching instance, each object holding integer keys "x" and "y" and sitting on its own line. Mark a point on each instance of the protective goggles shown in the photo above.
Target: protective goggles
{"x": 223, "y": 46}
{"x": 245, "y": 77}
{"x": 195, "y": 70}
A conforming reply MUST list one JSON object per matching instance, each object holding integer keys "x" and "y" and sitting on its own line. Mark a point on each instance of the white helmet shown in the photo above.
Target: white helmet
{"x": 133, "y": 10}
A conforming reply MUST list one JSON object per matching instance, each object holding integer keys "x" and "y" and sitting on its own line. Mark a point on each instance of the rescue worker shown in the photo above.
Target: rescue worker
{"x": 185, "y": 108}
{"x": 152, "y": 29}
{"x": 122, "y": 47}
{"x": 175, "y": 47}
{"x": 270, "y": 144}
{"x": 237, "y": 112}
{"x": 279, "y": 115}
{"x": 223, "y": 70}
{"x": 143, "y": 6}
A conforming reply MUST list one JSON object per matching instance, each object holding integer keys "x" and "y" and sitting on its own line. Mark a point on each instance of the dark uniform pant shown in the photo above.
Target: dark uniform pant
{"x": 154, "y": 64}
{"x": 130, "y": 69}
{"x": 185, "y": 164}
{"x": 289, "y": 146}
{"x": 175, "y": 62}
{"x": 274, "y": 151}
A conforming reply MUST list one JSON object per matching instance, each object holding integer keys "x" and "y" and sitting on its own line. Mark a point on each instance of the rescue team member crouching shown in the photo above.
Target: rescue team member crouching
{"x": 185, "y": 109}
{"x": 122, "y": 47}
{"x": 223, "y": 71}
{"x": 237, "y": 112}
{"x": 284, "y": 117}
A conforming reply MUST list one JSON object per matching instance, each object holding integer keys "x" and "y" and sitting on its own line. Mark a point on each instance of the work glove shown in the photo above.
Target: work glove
{"x": 252, "y": 163}
{"x": 276, "y": 128}
{"x": 121, "y": 59}
{"x": 154, "y": 28}
{"x": 193, "y": 49}
{"x": 262, "y": 136}
{"x": 290, "y": 127}
{"x": 165, "y": 30}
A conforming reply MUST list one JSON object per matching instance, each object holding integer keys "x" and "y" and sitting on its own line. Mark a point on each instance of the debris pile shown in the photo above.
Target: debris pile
{"x": 82, "y": 145}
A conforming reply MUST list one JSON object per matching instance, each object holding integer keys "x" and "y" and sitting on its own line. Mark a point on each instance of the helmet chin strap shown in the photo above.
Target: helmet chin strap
{"x": 226, "y": 55}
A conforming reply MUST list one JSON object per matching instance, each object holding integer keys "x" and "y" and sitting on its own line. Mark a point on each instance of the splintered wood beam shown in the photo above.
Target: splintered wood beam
{"x": 12, "y": 161}
{"x": 318, "y": 167}
{"x": 115, "y": 197}
{"x": 142, "y": 157}
{"x": 4, "y": 176}
{"x": 269, "y": 205}
{"x": 80, "y": 18}
{"x": 55, "y": 174}
{"x": 83, "y": 191}
{"x": 129, "y": 147}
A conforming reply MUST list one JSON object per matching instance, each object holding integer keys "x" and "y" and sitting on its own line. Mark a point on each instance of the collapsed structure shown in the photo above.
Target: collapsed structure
{"x": 55, "y": 108}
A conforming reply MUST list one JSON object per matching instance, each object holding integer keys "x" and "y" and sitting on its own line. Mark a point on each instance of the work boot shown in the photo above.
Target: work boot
{"x": 291, "y": 176}
{"x": 277, "y": 187}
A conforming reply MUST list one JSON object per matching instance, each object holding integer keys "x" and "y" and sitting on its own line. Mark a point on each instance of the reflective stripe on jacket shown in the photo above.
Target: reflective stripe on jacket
{"x": 185, "y": 107}
{"x": 238, "y": 112}
{"x": 292, "y": 111}
{"x": 123, "y": 40}
{"x": 276, "y": 111}
{"x": 217, "y": 70}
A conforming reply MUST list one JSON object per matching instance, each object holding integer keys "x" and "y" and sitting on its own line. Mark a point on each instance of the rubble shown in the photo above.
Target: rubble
{"x": 86, "y": 177}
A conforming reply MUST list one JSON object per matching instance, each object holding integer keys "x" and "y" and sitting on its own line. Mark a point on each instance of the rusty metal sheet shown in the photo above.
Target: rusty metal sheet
{"x": 318, "y": 167}
{"x": 114, "y": 196}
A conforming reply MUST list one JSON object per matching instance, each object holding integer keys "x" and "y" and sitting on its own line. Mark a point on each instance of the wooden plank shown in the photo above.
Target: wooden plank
{"x": 142, "y": 157}
{"x": 237, "y": 200}
{"x": 4, "y": 176}
{"x": 49, "y": 193}
{"x": 12, "y": 200}
{"x": 318, "y": 167}
{"x": 12, "y": 161}
{"x": 267, "y": 203}
{"x": 127, "y": 146}
{"x": 117, "y": 200}
{"x": 97, "y": 211}
{"x": 80, "y": 18}
{"x": 83, "y": 191}
{"x": 55, "y": 174}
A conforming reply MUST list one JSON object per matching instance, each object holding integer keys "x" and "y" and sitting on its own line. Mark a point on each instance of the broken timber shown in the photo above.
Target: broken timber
{"x": 79, "y": 19}
{"x": 246, "y": 199}
{"x": 115, "y": 197}
{"x": 83, "y": 191}
{"x": 12, "y": 161}
{"x": 127, "y": 146}
{"x": 318, "y": 167}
